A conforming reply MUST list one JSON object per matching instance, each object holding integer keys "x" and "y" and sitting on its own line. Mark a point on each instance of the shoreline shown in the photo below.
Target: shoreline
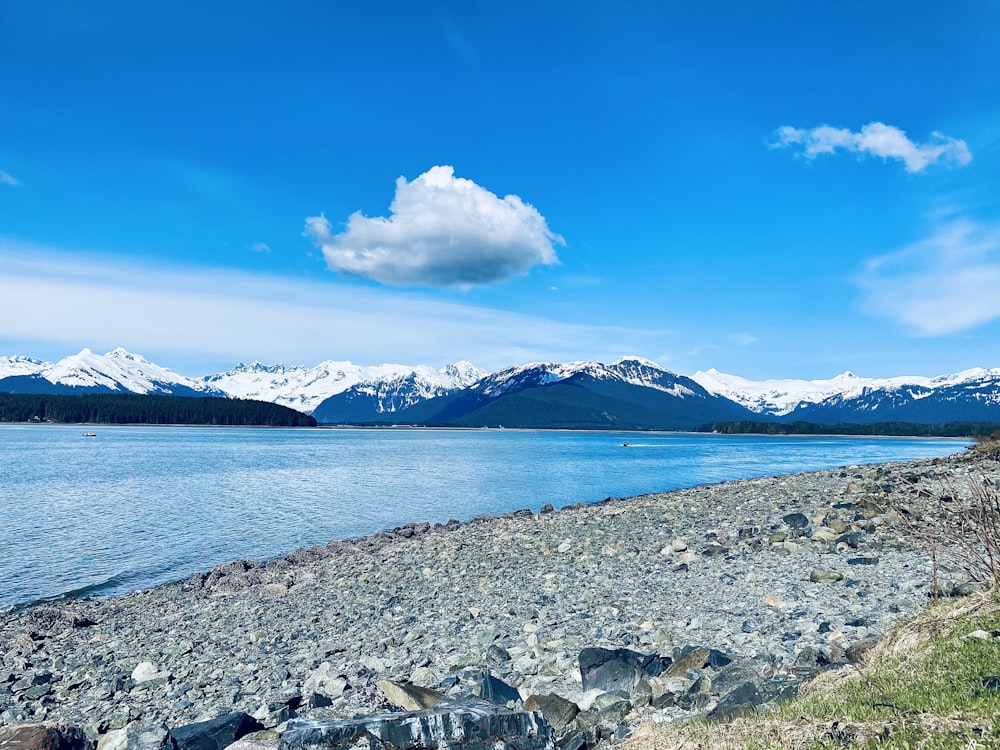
{"x": 717, "y": 566}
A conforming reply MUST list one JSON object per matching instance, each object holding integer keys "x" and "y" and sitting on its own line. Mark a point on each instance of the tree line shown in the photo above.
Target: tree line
{"x": 138, "y": 409}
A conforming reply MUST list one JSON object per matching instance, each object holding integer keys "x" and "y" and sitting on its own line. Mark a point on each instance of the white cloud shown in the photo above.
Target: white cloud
{"x": 198, "y": 320}
{"x": 877, "y": 139}
{"x": 442, "y": 231}
{"x": 743, "y": 339}
{"x": 260, "y": 247}
{"x": 8, "y": 179}
{"x": 944, "y": 284}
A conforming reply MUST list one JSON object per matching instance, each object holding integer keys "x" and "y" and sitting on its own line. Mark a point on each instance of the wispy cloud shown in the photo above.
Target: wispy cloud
{"x": 8, "y": 179}
{"x": 944, "y": 284}
{"x": 877, "y": 139}
{"x": 743, "y": 339}
{"x": 442, "y": 231}
{"x": 215, "y": 318}
{"x": 261, "y": 247}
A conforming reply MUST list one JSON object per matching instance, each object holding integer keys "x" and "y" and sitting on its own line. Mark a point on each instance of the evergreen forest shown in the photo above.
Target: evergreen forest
{"x": 138, "y": 409}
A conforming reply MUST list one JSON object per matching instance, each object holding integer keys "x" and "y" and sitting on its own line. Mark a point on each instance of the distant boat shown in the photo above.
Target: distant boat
{"x": 625, "y": 444}
{"x": 90, "y": 434}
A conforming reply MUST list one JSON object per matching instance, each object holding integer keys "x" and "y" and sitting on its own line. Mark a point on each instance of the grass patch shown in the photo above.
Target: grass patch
{"x": 922, "y": 687}
{"x": 986, "y": 447}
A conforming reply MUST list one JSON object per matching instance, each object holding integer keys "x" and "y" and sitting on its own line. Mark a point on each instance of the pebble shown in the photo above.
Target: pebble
{"x": 809, "y": 561}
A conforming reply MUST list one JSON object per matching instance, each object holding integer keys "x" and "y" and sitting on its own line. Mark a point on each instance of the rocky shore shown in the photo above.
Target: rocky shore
{"x": 585, "y": 619}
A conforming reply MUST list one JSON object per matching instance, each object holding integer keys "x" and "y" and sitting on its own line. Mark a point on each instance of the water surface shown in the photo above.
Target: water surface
{"x": 135, "y": 507}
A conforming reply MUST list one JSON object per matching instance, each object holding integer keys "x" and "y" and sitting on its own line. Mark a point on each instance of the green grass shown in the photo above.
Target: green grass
{"x": 921, "y": 687}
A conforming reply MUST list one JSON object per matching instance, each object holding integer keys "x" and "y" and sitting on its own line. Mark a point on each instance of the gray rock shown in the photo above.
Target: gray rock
{"x": 822, "y": 575}
{"x": 611, "y": 670}
{"x": 454, "y": 728}
{"x": 497, "y": 691}
{"x": 409, "y": 697}
{"x": 796, "y": 520}
{"x": 741, "y": 701}
{"x": 43, "y": 736}
{"x": 559, "y": 711}
{"x": 215, "y": 734}
{"x": 149, "y": 738}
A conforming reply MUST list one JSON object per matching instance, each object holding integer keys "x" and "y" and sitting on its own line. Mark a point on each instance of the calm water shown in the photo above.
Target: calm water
{"x": 135, "y": 507}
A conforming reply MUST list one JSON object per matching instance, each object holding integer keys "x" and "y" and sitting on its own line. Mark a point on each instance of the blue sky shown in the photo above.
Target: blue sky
{"x": 774, "y": 189}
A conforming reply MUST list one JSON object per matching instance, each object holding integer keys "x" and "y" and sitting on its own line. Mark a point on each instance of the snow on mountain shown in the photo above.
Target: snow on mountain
{"x": 17, "y": 365}
{"x": 632, "y": 370}
{"x": 781, "y": 397}
{"x": 118, "y": 370}
{"x": 305, "y": 388}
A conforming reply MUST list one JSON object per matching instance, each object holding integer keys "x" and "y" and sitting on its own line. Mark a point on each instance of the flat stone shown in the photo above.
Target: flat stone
{"x": 822, "y": 575}
{"x": 696, "y": 659}
{"x": 409, "y": 697}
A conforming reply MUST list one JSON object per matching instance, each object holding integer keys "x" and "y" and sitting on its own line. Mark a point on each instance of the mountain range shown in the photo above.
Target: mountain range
{"x": 629, "y": 394}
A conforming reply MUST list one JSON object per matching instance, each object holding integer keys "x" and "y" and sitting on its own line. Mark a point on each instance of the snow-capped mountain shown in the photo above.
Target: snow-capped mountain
{"x": 118, "y": 371}
{"x": 631, "y": 393}
{"x": 628, "y": 394}
{"x": 305, "y": 388}
{"x": 846, "y": 393}
{"x": 16, "y": 366}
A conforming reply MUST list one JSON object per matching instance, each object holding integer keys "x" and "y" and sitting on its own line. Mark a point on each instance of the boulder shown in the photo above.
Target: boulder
{"x": 215, "y": 734}
{"x": 559, "y": 711}
{"x": 43, "y": 736}
{"x": 611, "y": 670}
{"x": 739, "y": 702}
{"x": 450, "y": 728}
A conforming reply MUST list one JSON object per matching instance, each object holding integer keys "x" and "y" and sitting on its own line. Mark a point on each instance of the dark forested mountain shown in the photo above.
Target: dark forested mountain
{"x": 630, "y": 394}
{"x": 136, "y": 409}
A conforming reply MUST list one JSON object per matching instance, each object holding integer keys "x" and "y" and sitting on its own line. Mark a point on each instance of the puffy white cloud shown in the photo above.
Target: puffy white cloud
{"x": 442, "y": 231}
{"x": 944, "y": 284}
{"x": 8, "y": 179}
{"x": 878, "y": 139}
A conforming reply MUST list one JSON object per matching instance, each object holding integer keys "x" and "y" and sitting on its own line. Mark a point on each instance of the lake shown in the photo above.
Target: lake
{"x": 135, "y": 507}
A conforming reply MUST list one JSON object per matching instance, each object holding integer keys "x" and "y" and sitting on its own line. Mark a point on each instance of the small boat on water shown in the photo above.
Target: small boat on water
{"x": 90, "y": 434}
